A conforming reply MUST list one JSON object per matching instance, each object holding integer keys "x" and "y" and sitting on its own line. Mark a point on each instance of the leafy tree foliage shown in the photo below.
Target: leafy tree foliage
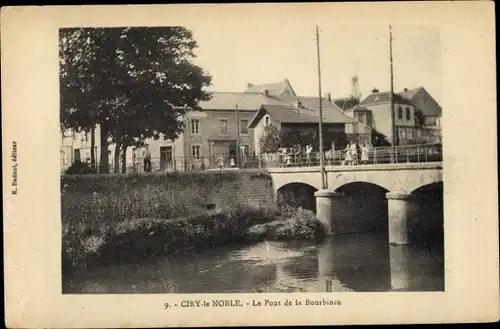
{"x": 270, "y": 140}
{"x": 136, "y": 83}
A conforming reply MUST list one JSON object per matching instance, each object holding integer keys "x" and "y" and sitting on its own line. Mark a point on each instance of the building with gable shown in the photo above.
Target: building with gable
{"x": 417, "y": 115}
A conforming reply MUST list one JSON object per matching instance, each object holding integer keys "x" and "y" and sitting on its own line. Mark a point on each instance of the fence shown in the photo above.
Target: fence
{"x": 378, "y": 155}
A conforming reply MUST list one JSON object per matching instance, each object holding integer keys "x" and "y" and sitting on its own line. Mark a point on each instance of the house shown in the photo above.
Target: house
{"x": 301, "y": 119}
{"x": 417, "y": 115}
{"x": 430, "y": 110}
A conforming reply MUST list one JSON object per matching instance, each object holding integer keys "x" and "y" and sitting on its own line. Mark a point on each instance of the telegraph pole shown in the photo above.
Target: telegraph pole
{"x": 394, "y": 141}
{"x": 238, "y": 154}
{"x": 321, "y": 161}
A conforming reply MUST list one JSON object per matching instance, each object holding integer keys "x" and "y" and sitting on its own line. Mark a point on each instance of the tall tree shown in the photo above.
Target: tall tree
{"x": 139, "y": 82}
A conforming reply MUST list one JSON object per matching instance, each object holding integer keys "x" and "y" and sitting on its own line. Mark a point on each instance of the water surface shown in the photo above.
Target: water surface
{"x": 354, "y": 262}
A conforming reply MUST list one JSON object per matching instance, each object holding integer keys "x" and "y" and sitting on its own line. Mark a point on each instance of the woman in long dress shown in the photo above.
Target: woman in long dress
{"x": 348, "y": 155}
{"x": 354, "y": 153}
{"x": 364, "y": 154}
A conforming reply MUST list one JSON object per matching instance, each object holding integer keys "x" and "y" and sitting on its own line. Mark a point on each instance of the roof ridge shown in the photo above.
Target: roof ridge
{"x": 235, "y": 92}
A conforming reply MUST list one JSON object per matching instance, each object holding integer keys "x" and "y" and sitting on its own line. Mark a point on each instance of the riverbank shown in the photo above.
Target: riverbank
{"x": 137, "y": 239}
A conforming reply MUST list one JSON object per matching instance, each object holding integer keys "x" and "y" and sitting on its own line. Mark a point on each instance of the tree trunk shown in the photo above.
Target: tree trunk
{"x": 117, "y": 157}
{"x": 92, "y": 148}
{"x": 104, "y": 159}
{"x": 124, "y": 158}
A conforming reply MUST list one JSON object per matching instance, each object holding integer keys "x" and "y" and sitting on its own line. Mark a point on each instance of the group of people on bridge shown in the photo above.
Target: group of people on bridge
{"x": 353, "y": 154}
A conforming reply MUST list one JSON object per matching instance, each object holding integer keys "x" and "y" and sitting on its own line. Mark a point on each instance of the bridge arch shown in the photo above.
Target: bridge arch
{"x": 366, "y": 206}
{"x": 427, "y": 225}
{"x": 405, "y": 179}
{"x": 361, "y": 186}
{"x": 297, "y": 194}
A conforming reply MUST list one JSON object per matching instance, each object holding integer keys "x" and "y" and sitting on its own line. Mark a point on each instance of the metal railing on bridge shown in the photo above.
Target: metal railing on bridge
{"x": 377, "y": 155}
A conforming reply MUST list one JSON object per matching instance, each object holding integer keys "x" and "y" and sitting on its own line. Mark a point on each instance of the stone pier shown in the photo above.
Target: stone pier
{"x": 328, "y": 207}
{"x": 399, "y": 257}
{"x": 401, "y": 206}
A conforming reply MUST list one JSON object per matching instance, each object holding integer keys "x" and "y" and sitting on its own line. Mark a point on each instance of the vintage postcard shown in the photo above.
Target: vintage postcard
{"x": 249, "y": 164}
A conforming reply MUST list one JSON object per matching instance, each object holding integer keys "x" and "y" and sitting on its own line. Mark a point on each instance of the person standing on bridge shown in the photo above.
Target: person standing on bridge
{"x": 308, "y": 154}
{"x": 354, "y": 153}
{"x": 364, "y": 153}
{"x": 348, "y": 155}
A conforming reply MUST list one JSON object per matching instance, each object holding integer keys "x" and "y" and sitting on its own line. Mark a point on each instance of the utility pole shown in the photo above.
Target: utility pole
{"x": 321, "y": 160}
{"x": 394, "y": 141}
{"x": 238, "y": 154}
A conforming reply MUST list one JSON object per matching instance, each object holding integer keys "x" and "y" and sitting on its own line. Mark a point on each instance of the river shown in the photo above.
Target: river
{"x": 354, "y": 262}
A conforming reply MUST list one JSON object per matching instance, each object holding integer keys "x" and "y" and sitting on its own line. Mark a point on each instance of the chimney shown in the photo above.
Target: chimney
{"x": 328, "y": 96}
{"x": 249, "y": 85}
{"x": 265, "y": 92}
{"x": 406, "y": 89}
{"x": 286, "y": 81}
{"x": 298, "y": 103}
{"x": 375, "y": 90}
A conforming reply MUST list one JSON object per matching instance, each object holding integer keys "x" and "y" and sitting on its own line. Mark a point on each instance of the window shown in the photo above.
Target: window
{"x": 403, "y": 133}
{"x": 267, "y": 120}
{"x": 196, "y": 151}
{"x": 244, "y": 127}
{"x": 369, "y": 119}
{"x": 408, "y": 114}
{"x": 409, "y": 134}
{"x": 400, "y": 113}
{"x": 361, "y": 117}
{"x": 195, "y": 127}
{"x": 63, "y": 157}
{"x": 76, "y": 155}
{"x": 223, "y": 129}
{"x": 244, "y": 150}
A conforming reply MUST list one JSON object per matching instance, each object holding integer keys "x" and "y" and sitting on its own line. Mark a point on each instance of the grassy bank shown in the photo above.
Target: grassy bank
{"x": 118, "y": 218}
{"x": 136, "y": 239}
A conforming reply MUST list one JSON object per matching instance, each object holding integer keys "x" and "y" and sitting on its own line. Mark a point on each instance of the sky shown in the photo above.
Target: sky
{"x": 237, "y": 53}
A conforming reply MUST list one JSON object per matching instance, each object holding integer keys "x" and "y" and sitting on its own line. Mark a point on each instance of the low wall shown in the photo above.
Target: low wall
{"x": 165, "y": 195}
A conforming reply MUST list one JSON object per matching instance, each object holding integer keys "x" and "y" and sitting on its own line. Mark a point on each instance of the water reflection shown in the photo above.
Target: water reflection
{"x": 354, "y": 262}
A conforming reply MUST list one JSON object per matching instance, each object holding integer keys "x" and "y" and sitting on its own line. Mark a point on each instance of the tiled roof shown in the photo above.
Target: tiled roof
{"x": 244, "y": 101}
{"x": 376, "y": 98}
{"x": 359, "y": 109}
{"x": 274, "y": 88}
{"x": 417, "y": 97}
{"x": 294, "y": 114}
{"x": 331, "y": 112}
{"x": 409, "y": 94}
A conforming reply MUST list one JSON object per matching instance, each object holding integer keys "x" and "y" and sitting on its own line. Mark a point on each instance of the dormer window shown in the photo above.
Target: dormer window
{"x": 400, "y": 113}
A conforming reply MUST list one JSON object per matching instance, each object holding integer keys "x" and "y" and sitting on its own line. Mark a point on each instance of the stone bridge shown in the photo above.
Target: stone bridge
{"x": 400, "y": 184}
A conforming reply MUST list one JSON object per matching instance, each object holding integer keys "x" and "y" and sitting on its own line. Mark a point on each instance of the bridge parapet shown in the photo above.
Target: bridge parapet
{"x": 402, "y": 176}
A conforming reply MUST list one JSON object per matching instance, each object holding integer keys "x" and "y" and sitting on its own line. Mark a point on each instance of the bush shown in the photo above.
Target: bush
{"x": 88, "y": 243}
{"x": 80, "y": 168}
{"x": 293, "y": 223}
